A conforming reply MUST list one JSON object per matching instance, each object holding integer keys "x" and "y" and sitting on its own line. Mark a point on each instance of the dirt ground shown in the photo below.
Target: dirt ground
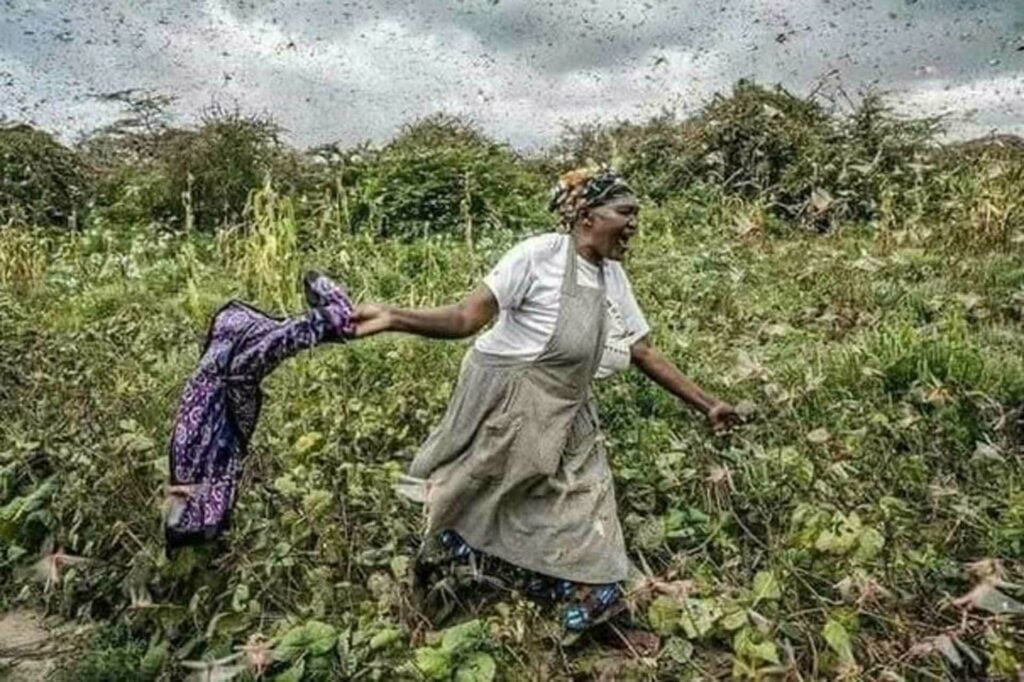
{"x": 27, "y": 649}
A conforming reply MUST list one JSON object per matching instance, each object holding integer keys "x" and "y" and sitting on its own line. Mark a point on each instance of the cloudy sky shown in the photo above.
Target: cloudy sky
{"x": 330, "y": 70}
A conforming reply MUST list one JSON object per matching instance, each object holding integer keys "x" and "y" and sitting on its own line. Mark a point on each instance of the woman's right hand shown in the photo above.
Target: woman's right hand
{"x": 722, "y": 416}
{"x": 371, "y": 318}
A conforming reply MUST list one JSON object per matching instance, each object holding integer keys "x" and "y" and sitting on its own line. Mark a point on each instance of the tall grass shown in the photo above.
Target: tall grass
{"x": 264, "y": 254}
{"x": 22, "y": 260}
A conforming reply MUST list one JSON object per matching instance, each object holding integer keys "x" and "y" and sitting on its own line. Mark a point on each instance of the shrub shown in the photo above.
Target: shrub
{"x": 657, "y": 156}
{"x": 808, "y": 165}
{"x": 126, "y": 154}
{"x": 189, "y": 177}
{"x": 439, "y": 175}
{"x": 41, "y": 181}
{"x": 210, "y": 171}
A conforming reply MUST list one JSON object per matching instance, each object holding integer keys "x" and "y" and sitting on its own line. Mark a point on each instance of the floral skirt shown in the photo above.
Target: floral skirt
{"x": 453, "y": 563}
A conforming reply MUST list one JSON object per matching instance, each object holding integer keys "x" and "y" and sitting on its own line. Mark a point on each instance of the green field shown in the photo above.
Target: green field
{"x": 866, "y": 523}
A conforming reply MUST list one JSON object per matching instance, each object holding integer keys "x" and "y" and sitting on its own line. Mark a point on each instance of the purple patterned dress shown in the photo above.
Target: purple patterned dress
{"x": 221, "y": 402}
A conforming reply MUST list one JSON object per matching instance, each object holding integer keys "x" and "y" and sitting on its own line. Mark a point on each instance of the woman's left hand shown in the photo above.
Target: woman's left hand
{"x": 722, "y": 416}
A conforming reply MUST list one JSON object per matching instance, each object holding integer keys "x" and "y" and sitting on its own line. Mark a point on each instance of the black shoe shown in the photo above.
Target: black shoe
{"x": 332, "y": 301}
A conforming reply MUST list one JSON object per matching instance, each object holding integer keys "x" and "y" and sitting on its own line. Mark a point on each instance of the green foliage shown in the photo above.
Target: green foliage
{"x": 187, "y": 178}
{"x": 440, "y": 175}
{"x": 758, "y": 138}
{"x": 23, "y": 257}
{"x": 458, "y": 656}
{"x": 211, "y": 171}
{"x": 42, "y": 182}
{"x": 831, "y": 535}
{"x": 111, "y": 655}
{"x": 657, "y": 156}
{"x": 805, "y": 164}
{"x": 313, "y": 638}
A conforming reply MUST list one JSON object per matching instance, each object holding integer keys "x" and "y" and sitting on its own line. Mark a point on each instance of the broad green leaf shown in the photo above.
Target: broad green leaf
{"x": 734, "y": 620}
{"x": 385, "y": 638}
{"x": 154, "y": 660}
{"x": 313, "y": 637}
{"x": 317, "y": 503}
{"x": 842, "y": 537}
{"x": 796, "y": 465}
{"x": 479, "y": 667}
{"x": 663, "y": 614}
{"x": 14, "y": 512}
{"x": 322, "y": 637}
{"x": 435, "y": 664}
{"x": 766, "y": 651}
{"x": 678, "y": 649}
{"x": 463, "y": 636}
{"x": 744, "y": 644}
{"x": 766, "y": 586}
{"x": 839, "y": 640}
{"x": 869, "y": 544}
{"x": 698, "y": 616}
{"x": 285, "y": 485}
{"x": 399, "y": 566}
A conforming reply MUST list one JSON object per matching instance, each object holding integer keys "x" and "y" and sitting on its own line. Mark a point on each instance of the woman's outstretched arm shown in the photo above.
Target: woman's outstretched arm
{"x": 664, "y": 373}
{"x": 454, "y": 321}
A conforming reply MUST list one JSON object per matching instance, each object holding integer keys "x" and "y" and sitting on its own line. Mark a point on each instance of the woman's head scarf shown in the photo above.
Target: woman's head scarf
{"x": 584, "y": 188}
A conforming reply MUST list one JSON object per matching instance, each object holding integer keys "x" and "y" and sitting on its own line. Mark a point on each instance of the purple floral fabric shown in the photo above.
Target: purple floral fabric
{"x": 221, "y": 403}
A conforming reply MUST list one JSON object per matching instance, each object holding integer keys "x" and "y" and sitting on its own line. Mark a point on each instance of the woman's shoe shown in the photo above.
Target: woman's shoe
{"x": 333, "y": 303}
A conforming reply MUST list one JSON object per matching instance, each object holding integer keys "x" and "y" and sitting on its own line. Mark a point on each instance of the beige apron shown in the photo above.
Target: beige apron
{"x": 517, "y": 466}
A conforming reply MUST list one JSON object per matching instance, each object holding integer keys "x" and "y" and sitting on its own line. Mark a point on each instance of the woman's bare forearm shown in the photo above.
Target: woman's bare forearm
{"x": 443, "y": 322}
{"x": 663, "y": 372}
{"x": 455, "y": 321}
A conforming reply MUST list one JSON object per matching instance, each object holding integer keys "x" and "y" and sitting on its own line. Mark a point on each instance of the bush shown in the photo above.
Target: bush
{"x": 182, "y": 177}
{"x": 439, "y": 175}
{"x": 973, "y": 193}
{"x": 657, "y": 157}
{"x": 209, "y": 172}
{"x": 757, "y": 139}
{"x": 752, "y": 142}
{"x": 807, "y": 165}
{"x": 41, "y": 181}
{"x": 126, "y": 154}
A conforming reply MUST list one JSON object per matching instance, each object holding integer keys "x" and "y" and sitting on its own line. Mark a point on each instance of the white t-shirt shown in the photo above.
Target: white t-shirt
{"x": 527, "y": 283}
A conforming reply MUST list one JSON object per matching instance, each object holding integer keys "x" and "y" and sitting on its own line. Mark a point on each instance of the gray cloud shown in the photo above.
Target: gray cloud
{"x": 350, "y": 71}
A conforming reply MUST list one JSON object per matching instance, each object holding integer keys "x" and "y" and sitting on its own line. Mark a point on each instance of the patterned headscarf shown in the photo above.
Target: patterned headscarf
{"x": 585, "y": 188}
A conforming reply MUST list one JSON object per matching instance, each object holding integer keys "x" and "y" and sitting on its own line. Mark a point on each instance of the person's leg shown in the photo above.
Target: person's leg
{"x": 453, "y": 542}
{"x": 586, "y": 603}
{"x": 270, "y": 344}
{"x": 332, "y": 299}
